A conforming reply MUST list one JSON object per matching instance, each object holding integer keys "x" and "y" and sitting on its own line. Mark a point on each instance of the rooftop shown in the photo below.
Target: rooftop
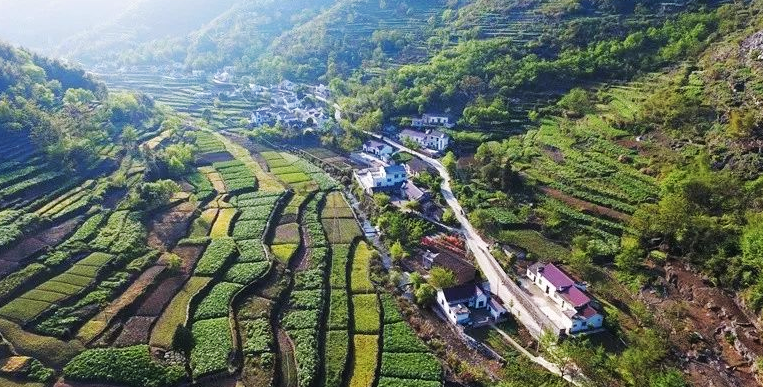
{"x": 458, "y": 294}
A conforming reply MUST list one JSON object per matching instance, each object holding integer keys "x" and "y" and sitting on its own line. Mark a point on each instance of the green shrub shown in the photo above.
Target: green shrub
{"x": 131, "y": 366}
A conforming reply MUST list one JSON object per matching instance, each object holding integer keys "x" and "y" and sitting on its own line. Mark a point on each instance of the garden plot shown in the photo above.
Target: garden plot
{"x": 72, "y": 282}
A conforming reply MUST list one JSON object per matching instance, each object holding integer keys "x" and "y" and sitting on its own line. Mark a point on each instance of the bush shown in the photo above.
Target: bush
{"x": 215, "y": 256}
{"x": 411, "y": 366}
{"x": 131, "y": 366}
{"x": 216, "y": 303}
{"x": 212, "y": 346}
{"x": 366, "y": 307}
{"x": 337, "y": 343}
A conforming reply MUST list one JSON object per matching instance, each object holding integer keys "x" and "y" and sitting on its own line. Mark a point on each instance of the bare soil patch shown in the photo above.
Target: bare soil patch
{"x": 585, "y": 206}
{"x": 135, "y": 331}
{"x": 716, "y": 343}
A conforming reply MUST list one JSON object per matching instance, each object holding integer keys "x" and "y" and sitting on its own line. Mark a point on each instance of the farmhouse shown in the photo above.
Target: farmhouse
{"x": 379, "y": 149}
{"x": 470, "y": 304}
{"x": 381, "y": 179}
{"x": 431, "y": 139}
{"x": 580, "y": 309}
{"x": 416, "y": 167}
{"x": 432, "y": 119}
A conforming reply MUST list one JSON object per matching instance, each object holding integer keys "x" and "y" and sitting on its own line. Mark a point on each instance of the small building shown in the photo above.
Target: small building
{"x": 416, "y": 167}
{"x": 464, "y": 270}
{"x": 379, "y": 149}
{"x": 381, "y": 179}
{"x": 432, "y": 119}
{"x": 414, "y": 193}
{"x": 431, "y": 139}
{"x": 290, "y": 102}
{"x": 581, "y": 310}
{"x": 287, "y": 85}
{"x": 469, "y": 304}
{"x": 322, "y": 91}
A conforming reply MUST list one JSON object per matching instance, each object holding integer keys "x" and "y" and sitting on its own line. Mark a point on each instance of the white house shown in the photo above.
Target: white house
{"x": 287, "y": 85}
{"x": 291, "y": 102}
{"x": 432, "y": 119}
{"x": 580, "y": 309}
{"x": 377, "y": 148}
{"x": 469, "y": 304}
{"x": 322, "y": 91}
{"x": 432, "y": 139}
{"x": 380, "y": 179}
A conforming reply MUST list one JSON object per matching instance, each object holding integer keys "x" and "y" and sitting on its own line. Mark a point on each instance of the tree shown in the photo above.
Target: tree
{"x": 158, "y": 193}
{"x": 576, "y": 102}
{"x": 442, "y": 278}
{"x": 449, "y": 217}
{"x": 382, "y": 200}
{"x": 416, "y": 280}
{"x": 449, "y": 161}
{"x": 631, "y": 255}
{"x": 425, "y": 295}
{"x": 397, "y": 251}
{"x": 129, "y": 136}
{"x": 182, "y": 340}
{"x": 206, "y": 114}
{"x": 78, "y": 96}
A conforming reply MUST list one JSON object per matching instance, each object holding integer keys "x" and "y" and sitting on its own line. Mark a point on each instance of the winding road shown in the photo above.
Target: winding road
{"x": 514, "y": 298}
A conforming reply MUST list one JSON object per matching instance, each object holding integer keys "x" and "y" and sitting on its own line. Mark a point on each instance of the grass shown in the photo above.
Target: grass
{"x": 287, "y": 234}
{"x": 366, "y": 313}
{"x": 49, "y": 350}
{"x": 361, "y": 269}
{"x": 202, "y": 225}
{"x": 539, "y": 247}
{"x": 363, "y": 372}
{"x": 221, "y": 228}
{"x": 176, "y": 313}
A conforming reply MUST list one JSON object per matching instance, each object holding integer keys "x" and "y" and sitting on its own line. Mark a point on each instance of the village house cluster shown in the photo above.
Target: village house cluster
{"x": 287, "y": 108}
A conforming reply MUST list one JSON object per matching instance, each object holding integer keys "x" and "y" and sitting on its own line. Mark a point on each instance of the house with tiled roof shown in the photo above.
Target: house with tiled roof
{"x": 431, "y": 139}
{"x": 380, "y": 149}
{"x": 582, "y": 312}
{"x": 470, "y": 304}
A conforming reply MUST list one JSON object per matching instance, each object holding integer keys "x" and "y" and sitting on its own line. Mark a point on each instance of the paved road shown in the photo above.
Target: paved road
{"x": 515, "y": 299}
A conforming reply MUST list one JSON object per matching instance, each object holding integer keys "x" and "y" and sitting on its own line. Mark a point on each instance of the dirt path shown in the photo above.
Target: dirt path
{"x": 288, "y": 369}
